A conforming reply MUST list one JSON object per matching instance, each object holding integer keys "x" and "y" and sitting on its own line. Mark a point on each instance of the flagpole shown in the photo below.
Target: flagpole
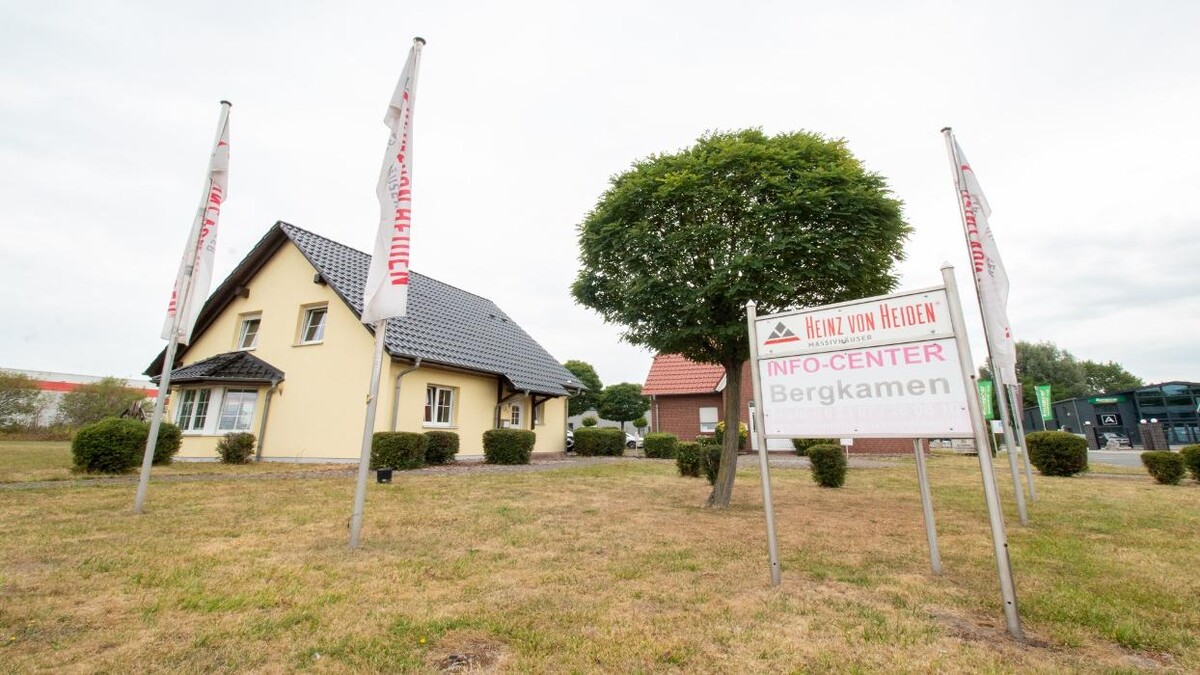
{"x": 360, "y": 494}
{"x": 164, "y": 384}
{"x": 960, "y": 184}
{"x": 1020, "y": 422}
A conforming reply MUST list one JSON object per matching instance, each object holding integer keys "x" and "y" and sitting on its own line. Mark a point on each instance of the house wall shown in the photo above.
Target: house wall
{"x": 680, "y": 414}
{"x": 317, "y": 413}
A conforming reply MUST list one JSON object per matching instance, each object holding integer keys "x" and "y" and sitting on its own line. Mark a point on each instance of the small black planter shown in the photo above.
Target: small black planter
{"x": 383, "y": 475}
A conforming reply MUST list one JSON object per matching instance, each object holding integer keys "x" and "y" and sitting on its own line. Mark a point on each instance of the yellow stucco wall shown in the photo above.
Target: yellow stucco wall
{"x": 319, "y": 409}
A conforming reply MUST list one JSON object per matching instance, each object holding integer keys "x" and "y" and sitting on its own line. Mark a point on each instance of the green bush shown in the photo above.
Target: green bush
{"x": 597, "y": 441}
{"x": 510, "y": 446}
{"x": 440, "y": 447}
{"x": 707, "y": 440}
{"x": 589, "y": 421}
{"x": 687, "y": 459}
{"x": 661, "y": 445}
{"x": 398, "y": 450}
{"x": 710, "y": 461}
{"x": 802, "y": 445}
{"x": 743, "y": 434}
{"x": 1057, "y": 453}
{"x": 828, "y": 464}
{"x": 1166, "y": 467}
{"x": 110, "y": 446}
{"x": 236, "y": 447}
{"x": 169, "y": 440}
{"x": 1191, "y": 458}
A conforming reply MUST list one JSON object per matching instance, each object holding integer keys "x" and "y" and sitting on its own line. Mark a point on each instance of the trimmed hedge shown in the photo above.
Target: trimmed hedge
{"x": 510, "y": 446}
{"x": 801, "y": 445}
{"x": 743, "y": 434}
{"x": 687, "y": 459}
{"x": 169, "y": 439}
{"x": 828, "y": 464}
{"x": 589, "y": 421}
{"x": 110, "y": 446}
{"x": 440, "y": 447}
{"x": 598, "y": 441}
{"x": 710, "y": 461}
{"x": 1191, "y": 458}
{"x": 236, "y": 447}
{"x": 661, "y": 445}
{"x": 398, "y": 450}
{"x": 1166, "y": 467}
{"x": 1057, "y": 453}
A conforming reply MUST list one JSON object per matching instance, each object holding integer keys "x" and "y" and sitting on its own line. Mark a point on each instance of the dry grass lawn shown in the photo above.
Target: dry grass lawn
{"x": 609, "y": 568}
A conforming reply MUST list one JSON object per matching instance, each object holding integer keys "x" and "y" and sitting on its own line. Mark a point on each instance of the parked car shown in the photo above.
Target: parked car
{"x": 1108, "y": 438}
{"x": 633, "y": 441}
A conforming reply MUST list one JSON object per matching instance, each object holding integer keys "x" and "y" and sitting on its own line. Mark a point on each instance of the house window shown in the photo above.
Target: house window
{"x": 237, "y": 410}
{"x": 248, "y": 332}
{"x": 193, "y": 409}
{"x": 439, "y": 406}
{"x": 312, "y": 330}
{"x": 708, "y": 420}
{"x": 514, "y": 415}
{"x": 539, "y": 414}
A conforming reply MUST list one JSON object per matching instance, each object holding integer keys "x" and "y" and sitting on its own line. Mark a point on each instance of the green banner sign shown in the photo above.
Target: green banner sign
{"x": 1043, "y": 399}
{"x": 1102, "y": 400}
{"x": 987, "y": 399}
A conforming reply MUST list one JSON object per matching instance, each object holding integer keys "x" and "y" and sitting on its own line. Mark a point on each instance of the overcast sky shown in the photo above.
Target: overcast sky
{"x": 1079, "y": 118}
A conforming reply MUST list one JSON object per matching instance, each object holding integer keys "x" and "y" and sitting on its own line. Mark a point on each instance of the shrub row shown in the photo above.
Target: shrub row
{"x": 801, "y": 445}
{"x": 403, "y": 450}
{"x": 116, "y": 445}
{"x": 599, "y": 441}
{"x": 661, "y": 445}
{"x": 1167, "y": 468}
{"x": 1191, "y": 459}
{"x": 1057, "y": 453}
{"x": 511, "y": 446}
{"x": 687, "y": 459}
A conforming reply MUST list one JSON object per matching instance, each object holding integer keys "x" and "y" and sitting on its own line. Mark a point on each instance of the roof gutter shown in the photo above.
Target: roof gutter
{"x": 396, "y": 393}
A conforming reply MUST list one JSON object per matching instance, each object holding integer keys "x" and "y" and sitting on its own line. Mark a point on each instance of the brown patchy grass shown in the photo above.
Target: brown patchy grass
{"x": 611, "y": 568}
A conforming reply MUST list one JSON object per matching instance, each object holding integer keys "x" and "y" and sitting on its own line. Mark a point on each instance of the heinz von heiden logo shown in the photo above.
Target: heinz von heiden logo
{"x": 780, "y": 335}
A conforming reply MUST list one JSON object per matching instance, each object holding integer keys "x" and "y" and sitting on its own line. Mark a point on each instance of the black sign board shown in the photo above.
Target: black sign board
{"x": 1108, "y": 419}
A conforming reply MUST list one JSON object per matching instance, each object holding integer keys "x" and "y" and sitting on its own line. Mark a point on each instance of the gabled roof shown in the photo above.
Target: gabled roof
{"x": 228, "y": 367}
{"x": 674, "y": 374}
{"x": 445, "y": 325}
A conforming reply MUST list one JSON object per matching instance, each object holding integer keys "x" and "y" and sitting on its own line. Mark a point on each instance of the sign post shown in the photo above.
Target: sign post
{"x": 763, "y": 466}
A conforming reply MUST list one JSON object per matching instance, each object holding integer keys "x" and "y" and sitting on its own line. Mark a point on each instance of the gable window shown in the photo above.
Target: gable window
{"x": 439, "y": 406}
{"x": 237, "y": 410}
{"x": 514, "y": 416}
{"x": 248, "y": 332}
{"x": 193, "y": 409}
{"x": 312, "y": 330}
{"x": 708, "y": 420}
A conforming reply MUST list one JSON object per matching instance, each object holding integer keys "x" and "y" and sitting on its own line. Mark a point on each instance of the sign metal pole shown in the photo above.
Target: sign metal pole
{"x": 364, "y": 460}
{"x": 760, "y": 434}
{"x": 935, "y": 556}
{"x": 991, "y": 494}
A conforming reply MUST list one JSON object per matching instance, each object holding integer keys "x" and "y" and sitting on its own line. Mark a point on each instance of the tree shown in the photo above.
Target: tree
{"x": 622, "y": 403}
{"x": 1107, "y": 377}
{"x": 584, "y": 400}
{"x": 678, "y": 244}
{"x": 20, "y": 399}
{"x": 93, "y": 402}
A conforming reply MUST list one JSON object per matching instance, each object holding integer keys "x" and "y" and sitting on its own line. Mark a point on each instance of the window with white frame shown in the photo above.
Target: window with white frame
{"x": 539, "y": 414}
{"x": 193, "y": 409}
{"x": 514, "y": 415}
{"x": 439, "y": 406}
{"x": 708, "y": 420}
{"x": 237, "y": 409}
{"x": 312, "y": 330}
{"x": 248, "y": 331}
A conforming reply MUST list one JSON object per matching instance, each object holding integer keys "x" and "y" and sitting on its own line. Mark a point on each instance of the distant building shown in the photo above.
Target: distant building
{"x": 55, "y": 385}
{"x": 1175, "y": 404}
{"x": 576, "y": 421}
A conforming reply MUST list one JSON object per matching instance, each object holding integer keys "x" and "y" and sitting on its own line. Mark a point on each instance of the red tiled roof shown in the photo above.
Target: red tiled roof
{"x": 674, "y": 374}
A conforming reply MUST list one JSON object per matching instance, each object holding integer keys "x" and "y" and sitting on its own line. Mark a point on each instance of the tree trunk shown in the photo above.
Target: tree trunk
{"x": 723, "y": 489}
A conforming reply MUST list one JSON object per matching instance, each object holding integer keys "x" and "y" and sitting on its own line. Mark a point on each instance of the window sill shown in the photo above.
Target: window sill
{"x": 309, "y": 344}
{"x": 428, "y": 425}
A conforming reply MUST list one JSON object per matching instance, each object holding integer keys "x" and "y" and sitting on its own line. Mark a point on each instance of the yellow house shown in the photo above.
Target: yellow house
{"x": 278, "y": 351}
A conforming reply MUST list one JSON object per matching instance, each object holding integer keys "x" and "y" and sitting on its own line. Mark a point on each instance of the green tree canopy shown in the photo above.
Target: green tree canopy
{"x": 585, "y": 400}
{"x": 680, "y": 242}
{"x": 1107, "y": 377}
{"x": 622, "y": 403}
{"x": 20, "y": 399}
{"x": 93, "y": 402}
{"x": 1068, "y": 377}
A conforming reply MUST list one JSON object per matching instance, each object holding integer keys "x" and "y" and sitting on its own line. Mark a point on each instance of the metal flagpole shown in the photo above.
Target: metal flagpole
{"x": 991, "y": 494}
{"x": 1018, "y": 489}
{"x": 761, "y": 434}
{"x": 360, "y": 495}
{"x": 935, "y": 556}
{"x": 1020, "y": 422}
{"x": 173, "y": 343}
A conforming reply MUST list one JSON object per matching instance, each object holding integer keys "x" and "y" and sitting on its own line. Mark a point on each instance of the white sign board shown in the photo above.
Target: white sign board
{"x": 912, "y": 390}
{"x": 904, "y": 317}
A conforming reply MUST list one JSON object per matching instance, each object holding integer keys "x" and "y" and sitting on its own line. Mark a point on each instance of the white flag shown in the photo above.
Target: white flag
{"x": 990, "y": 277}
{"x": 386, "y": 292}
{"x": 196, "y": 268}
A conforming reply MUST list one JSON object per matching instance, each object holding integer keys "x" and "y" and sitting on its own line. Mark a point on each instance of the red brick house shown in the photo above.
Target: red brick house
{"x": 688, "y": 399}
